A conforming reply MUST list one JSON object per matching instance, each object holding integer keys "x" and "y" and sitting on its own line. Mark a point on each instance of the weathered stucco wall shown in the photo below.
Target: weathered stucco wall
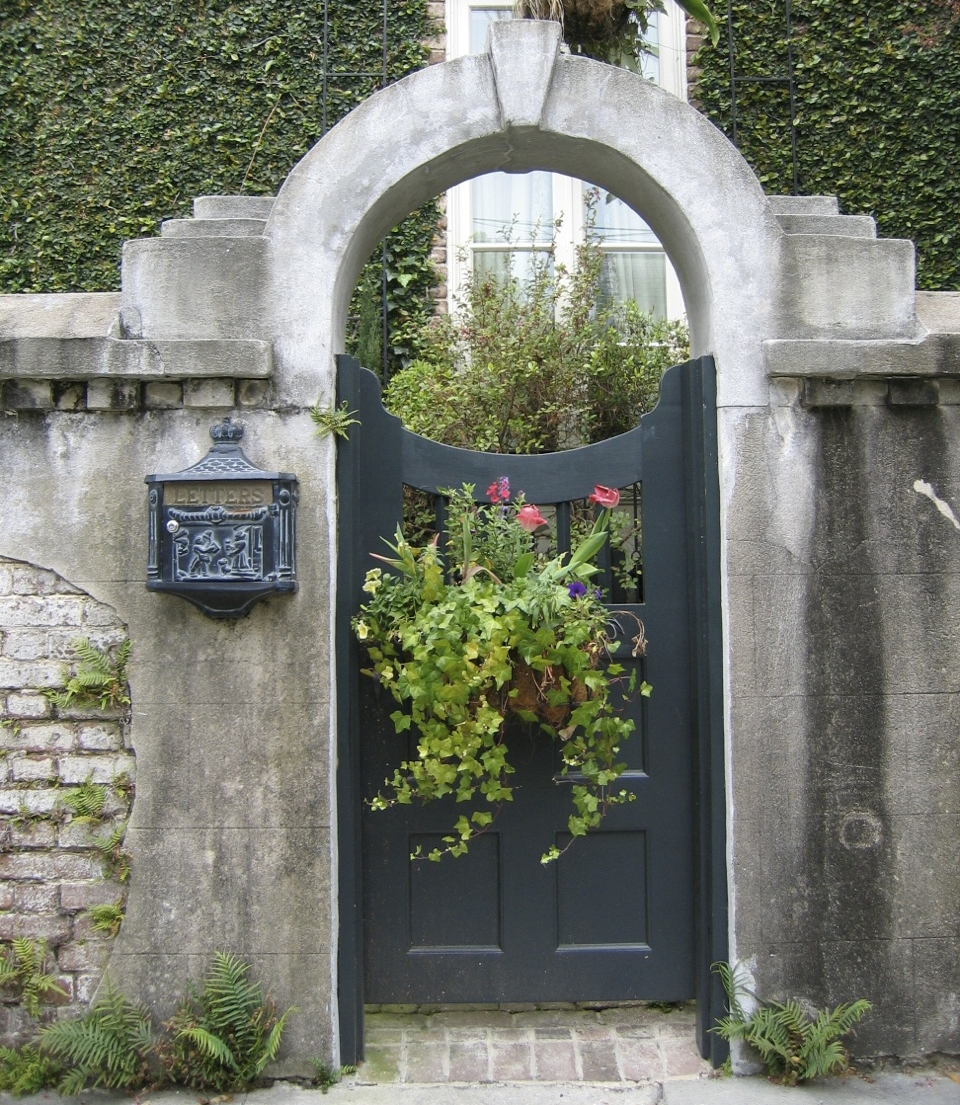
{"x": 838, "y": 390}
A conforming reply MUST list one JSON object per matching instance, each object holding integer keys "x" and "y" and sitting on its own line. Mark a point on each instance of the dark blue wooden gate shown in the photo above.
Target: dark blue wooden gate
{"x": 637, "y": 909}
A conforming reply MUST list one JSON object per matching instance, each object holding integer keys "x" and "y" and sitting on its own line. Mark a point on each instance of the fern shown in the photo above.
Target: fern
{"x": 27, "y": 1070}
{"x": 116, "y": 861}
{"x": 22, "y": 971}
{"x": 107, "y": 918}
{"x": 226, "y": 1032}
{"x": 793, "y": 1047}
{"x": 110, "y": 1046}
{"x": 86, "y": 801}
{"x": 101, "y": 677}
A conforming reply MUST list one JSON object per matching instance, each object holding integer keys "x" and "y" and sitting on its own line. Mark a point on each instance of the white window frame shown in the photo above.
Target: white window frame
{"x": 567, "y": 194}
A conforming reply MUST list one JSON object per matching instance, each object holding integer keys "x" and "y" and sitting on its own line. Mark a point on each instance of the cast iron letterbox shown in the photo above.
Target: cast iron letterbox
{"x": 222, "y": 534}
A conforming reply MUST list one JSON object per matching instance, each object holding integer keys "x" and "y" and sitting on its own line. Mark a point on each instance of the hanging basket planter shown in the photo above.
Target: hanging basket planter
{"x": 506, "y": 633}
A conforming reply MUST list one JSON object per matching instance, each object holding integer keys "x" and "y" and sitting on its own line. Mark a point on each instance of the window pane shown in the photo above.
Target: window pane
{"x": 503, "y": 263}
{"x": 515, "y": 206}
{"x": 614, "y": 221}
{"x": 638, "y": 276}
{"x": 480, "y": 19}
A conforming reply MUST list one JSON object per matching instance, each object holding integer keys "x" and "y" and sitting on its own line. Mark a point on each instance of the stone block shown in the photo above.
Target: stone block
{"x": 88, "y": 956}
{"x": 55, "y": 736}
{"x": 28, "y": 706}
{"x": 50, "y": 868}
{"x": 31, "y": 834}
{"x": 20, "y": 674}
{"x": 27, "y": 395}
{"x": 34, "y": 802}
{"x": 31, "y": 897}
{"x": 33, "y": 768}
{"x": 208, "y": 393}
{"x": 69, "y": 396}
{"x": 27, "y": 644}
{"x": 35, "y": 926}
{"x": 75, "y": 896}
{"x": 96, "y": 768}
{"x": 32, "y": 610}
{"x": 101, "y": 737}
{"x": 6, "y": 896}
{"x": 162, "y": 394}
{"x": 253, "y": 393}
{"x": 113, "y": 395}
{"x": 913, "y": 393}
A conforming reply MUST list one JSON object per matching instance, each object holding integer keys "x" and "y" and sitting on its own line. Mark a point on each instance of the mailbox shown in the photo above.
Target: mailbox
{"x": 222, "y": 534}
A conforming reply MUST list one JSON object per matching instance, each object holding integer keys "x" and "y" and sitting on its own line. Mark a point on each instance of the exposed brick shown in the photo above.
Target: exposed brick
{"x": 79, "y": 834}
{"x": 97, "y": 768}
{"x": 50, "y": 866}
{"x": 58, "y": 736}
{"x": 82, "y": 895}
{"x": 6, "y": 895}
{"x": 70, "y": 396}
{"x": 33, "y": 768}
{"x": 253, "y": 393}
{"x": 103, "y": 737}
{"x": 85, "y": 986}
{"x": 31, "y": 580}
{"x": 53, "y": 928}
{"x": 27, "y": 705}
{"x": 33, "y": 897}
{"x": 20, "y": 674}
{"x": 17, "y": 799}
{"x": 25, "y": 644}
{"x": 6, "y": 578}
{"x": 89, "y": 956}
{"x": 34, "y": 610}
{"x": 96, "y": 613}
{"x": 32, "y": 834}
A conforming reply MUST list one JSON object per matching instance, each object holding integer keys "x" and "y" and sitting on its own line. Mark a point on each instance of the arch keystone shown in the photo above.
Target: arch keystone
{"x": 523, "y": 53}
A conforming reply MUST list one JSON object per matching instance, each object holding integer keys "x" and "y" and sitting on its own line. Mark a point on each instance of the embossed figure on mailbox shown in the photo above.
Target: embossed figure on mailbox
{"x": 222, "y": 534}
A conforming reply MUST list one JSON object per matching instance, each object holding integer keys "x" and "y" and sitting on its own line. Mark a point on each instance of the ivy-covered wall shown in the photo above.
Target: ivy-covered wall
{"x": 877, "y": 113}
{"x": 114, "y": 114}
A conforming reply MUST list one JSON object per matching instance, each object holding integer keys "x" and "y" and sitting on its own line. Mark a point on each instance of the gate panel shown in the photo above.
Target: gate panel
{"x": 616, "y": 917}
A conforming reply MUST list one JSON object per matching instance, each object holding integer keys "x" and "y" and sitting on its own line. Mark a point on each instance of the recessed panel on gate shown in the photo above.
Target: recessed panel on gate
{"x": 455, "y": 904}
{"x": 602, "y": 891}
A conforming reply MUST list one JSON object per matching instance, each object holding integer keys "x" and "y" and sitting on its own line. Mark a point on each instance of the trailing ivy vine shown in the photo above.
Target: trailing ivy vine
{"x": 878, "y": 118}
{"x": 115, "y": 114}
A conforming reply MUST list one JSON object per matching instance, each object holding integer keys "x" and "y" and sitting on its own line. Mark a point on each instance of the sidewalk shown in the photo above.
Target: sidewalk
{"x": 928, "y": 1087}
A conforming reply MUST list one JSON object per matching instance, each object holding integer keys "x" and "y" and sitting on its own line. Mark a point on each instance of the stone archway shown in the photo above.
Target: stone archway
{"x": 527, "y": 105}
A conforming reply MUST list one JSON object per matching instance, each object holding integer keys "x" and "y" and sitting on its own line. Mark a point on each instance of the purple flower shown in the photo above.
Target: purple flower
{"x": 577, "y": 589}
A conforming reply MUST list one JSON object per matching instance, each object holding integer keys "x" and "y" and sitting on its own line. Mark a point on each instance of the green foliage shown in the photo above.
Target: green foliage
{"x": 327, "y": 1075}
{"x": 116, "y": 113}
{"x": 876, "y": 108}
{"x": 22, "y": 974}
{"x": 794, "y": 1046}
{"x": 110, "y": 1046}
{"x": 107, "y": 918}
{"x": 100, "y": 678}
{"x": 116, "y": 861}
{"x": 536, "y": 365}
{"x": 334, "y": 420}
{"x": 226, "y": 1031}
{"x": 86, "y": 801}
{"x": 26, "y": 1070}
{"x": 508, "y": 632}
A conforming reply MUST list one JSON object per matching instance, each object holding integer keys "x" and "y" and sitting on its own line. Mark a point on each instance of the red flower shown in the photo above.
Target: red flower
{"x": 529, "y": 517}
{"x": 605, "y": 496}
{"x": 499, "y": 490}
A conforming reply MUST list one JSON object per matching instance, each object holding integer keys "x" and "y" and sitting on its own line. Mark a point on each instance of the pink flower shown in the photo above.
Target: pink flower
{"x": 605, "y": 496}
{"x": 499, "y": 490}
{"x": 529, "y": 517}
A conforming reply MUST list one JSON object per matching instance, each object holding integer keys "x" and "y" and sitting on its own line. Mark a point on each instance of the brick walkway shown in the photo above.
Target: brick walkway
{"x": 623, "y": 1044}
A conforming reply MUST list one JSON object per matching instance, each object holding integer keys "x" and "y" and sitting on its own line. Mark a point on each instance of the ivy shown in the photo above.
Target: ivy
{"x": 115, "y": 114}
{"x": 877, "y": 114}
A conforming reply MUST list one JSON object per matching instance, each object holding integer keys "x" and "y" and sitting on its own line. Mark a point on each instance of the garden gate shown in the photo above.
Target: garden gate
{"x": 630, "y": 911}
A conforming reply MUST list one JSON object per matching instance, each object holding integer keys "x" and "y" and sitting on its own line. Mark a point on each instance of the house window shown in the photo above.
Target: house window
{"x": 500, "y": 221}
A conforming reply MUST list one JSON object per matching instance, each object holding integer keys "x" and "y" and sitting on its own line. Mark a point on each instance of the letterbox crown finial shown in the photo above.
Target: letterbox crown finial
{"x": 227, "y": 430}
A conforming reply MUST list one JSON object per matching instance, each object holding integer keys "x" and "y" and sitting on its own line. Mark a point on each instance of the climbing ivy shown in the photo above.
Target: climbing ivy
{"x": 114, "y": 114}
{"x": 878, "y": 118}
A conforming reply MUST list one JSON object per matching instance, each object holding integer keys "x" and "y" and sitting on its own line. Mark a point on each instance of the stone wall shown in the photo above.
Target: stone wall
{"x": 52, "y": 869}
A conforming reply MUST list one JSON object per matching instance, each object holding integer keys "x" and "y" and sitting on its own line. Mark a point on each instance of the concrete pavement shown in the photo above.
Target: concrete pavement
{"x": 922, "y": 1087}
